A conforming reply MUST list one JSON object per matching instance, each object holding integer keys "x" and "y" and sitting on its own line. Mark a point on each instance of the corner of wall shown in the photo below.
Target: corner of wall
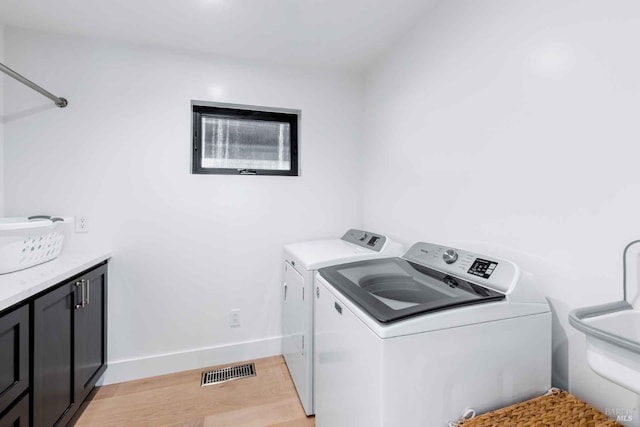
{"x": 2, "y": 79}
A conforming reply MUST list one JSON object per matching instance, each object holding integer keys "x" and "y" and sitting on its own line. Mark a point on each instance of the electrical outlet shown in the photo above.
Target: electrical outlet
{"x": 234, "y": 318}
{"x": 82, "y": 224}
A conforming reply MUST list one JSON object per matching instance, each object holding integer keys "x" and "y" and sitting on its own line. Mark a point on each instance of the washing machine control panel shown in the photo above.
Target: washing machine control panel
{"x": 366, "y": 239}
{"x": 499, "y": 275}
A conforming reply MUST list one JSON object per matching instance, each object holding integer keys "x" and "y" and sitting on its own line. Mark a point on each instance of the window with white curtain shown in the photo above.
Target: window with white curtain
{"x": 244, "y": 141}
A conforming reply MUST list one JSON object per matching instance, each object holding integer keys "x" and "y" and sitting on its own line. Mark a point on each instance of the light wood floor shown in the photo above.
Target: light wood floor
{"x": 268, "y": 399}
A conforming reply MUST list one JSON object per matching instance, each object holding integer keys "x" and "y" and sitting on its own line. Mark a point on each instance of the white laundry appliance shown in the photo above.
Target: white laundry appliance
{"x": 418, "y": 340}
{"x": 301, "y": 260}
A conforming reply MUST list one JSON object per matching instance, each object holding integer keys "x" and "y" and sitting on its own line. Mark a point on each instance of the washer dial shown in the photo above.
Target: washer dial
{"x": 450, "y": 256}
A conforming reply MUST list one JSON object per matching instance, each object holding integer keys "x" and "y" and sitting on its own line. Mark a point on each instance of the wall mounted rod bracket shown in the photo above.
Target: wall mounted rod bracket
{"x": 60, "y": 102}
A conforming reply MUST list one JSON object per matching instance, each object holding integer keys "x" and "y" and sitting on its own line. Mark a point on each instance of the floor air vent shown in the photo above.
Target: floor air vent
{"x": 222, "y": 375}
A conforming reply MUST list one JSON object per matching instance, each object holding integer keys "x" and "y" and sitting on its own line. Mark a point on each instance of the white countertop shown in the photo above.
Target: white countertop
{"x": 18, "y": 286}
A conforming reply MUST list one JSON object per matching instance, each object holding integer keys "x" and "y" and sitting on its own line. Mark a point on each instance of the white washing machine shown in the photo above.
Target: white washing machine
{"x": 301, "y": 260}
{"x": 418, "y": 340}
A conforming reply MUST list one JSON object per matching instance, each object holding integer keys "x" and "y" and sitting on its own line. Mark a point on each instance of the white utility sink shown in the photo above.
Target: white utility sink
{"x": 613, "y": 330}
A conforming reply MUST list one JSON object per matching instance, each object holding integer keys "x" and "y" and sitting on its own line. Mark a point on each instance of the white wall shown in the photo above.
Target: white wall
{"x": 512, "y": 128}
{"x": 2, "y": 77}
{"x": 187, "y": 248}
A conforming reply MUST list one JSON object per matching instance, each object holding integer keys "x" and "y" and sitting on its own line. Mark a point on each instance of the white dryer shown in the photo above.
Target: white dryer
{"x": 301, "y": 260}
{"x": 418, "y": 340}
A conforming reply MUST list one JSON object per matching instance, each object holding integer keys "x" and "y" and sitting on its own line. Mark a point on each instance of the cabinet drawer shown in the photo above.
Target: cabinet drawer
{"x": 14, "y": 355}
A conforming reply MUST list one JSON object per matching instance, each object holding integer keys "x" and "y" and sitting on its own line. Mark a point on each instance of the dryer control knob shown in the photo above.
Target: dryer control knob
{"x": 450, "y": 256}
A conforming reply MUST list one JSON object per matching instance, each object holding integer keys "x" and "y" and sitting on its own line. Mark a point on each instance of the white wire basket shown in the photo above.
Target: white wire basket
{"x": 29, "y": 241}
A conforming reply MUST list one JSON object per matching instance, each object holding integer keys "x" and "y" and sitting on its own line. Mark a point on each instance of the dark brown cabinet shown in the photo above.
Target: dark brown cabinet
{"x": 53, "y": 394}
{"x": 18, "y": 415}
{"x": 14, "y": 356}
{"x": 69, "y": 350}
{"x": 91, "y": 333}
{"x": 53, "y": 350}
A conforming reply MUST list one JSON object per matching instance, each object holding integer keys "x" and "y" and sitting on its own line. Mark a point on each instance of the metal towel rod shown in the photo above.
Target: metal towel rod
{"x": 60, "y": 102}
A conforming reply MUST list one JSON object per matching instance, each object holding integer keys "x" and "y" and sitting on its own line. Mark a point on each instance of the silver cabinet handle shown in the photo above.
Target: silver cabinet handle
{"x": 87, "y": 283}
{"x": 285, "y": 291}
{"x": 84, "y": 293}
{"x": 80, "y": 285}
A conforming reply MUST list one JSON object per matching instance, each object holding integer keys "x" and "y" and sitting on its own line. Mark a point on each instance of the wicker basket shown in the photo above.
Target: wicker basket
{"x": 556, "y": 408}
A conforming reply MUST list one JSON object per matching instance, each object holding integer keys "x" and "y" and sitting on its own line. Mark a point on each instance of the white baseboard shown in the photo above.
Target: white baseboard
{"x": 150, "y": 366}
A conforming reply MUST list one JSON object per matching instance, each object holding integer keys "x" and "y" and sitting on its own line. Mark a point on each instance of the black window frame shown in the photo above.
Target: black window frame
{"x": 198, "y": 110}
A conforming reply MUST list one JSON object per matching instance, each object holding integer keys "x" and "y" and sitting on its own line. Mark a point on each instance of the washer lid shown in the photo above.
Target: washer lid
{"x": 355, "y": 245}
{"x": 394, "y": 289}
{"x": 321, "y": 253}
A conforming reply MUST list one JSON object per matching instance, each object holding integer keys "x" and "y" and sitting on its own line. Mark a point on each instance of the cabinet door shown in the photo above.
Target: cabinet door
{"x": 91, "y": 332}
{"x": 18, "y": 416}
{"x": 14, "y": 355}
{"x": 54, "y": 401}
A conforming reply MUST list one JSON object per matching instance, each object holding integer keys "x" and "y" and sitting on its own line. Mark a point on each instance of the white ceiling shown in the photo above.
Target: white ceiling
{"x": 327, "y": 33}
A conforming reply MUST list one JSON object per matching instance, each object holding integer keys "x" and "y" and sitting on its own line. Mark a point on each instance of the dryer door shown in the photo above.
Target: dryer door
{"x": 297, "y": 336}
{"x": 293, "y": 314}
{"x": 297, "y": 332}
